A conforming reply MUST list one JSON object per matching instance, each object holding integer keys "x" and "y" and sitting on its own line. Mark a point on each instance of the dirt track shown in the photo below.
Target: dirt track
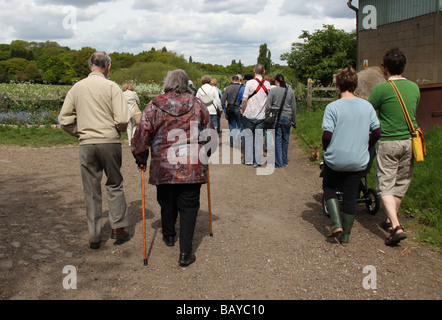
{"x": 269, "y": 239}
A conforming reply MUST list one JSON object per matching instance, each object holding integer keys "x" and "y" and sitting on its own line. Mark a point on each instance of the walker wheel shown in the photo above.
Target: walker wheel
{"x": 324, "y": 207}
{"x": 372, "y": 202}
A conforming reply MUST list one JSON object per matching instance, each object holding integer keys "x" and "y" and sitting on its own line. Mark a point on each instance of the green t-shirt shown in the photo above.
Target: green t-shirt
{"x": 386, "y": 103}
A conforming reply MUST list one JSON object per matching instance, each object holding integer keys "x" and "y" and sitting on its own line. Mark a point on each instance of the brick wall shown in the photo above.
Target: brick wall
{"x": 420, "y": 40}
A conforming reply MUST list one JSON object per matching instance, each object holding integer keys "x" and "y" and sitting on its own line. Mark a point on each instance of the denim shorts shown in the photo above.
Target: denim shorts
{"x": 394, "y": 167}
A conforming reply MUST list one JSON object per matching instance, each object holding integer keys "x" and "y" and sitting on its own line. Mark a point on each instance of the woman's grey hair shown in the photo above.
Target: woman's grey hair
{"x": 176, "y": 80}
{"x": 99, "y": 60}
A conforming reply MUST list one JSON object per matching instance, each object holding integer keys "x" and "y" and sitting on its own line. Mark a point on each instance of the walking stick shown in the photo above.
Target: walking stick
{"x": 144, "y": 215}
{"x": 208, "y": 196}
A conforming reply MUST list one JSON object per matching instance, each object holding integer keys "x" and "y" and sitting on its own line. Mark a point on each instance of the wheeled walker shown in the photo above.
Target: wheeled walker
{"x": 367, "y": 195}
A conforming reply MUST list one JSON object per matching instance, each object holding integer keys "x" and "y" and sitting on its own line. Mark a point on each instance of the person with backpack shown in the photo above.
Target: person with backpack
{"x": 233, "y": 114}
{"x": 287, "y": 118}
{"x": 209, "y": 95}
{"x": 253, "y": 111}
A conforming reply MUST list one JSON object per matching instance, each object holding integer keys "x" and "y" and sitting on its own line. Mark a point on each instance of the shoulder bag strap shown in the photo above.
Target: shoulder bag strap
{"x": 404, "y": 109}
{"x": 260, "y": 86}
{"x": 282, "y": 105}
{"x": 237, "y": 94}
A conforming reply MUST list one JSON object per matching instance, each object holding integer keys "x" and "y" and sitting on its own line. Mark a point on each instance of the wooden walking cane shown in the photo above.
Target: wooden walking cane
{"x": 143, "y": 204}
{"x": 208, "y": 196}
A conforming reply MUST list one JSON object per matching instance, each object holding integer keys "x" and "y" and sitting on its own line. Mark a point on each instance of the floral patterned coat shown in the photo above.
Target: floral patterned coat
{"x": 176, "y": 129}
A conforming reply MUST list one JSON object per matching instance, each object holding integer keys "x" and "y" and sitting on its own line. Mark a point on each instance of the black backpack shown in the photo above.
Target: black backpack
{"x": 232, "y": 106}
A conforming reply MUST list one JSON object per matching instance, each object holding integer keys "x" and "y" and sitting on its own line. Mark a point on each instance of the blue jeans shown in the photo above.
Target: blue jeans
{"x": 214, "y": 119}
{"x": 253, "y": 147}
{"x": 235, "y": 125}
{"x": 282, "y": 137}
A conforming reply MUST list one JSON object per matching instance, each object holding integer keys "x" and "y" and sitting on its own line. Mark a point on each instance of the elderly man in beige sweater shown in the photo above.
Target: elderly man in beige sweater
{"x": 96, "y": 112}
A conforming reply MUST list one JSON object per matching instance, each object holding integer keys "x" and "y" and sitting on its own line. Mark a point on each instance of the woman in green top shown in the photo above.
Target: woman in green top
{"x": 395, "y": 157}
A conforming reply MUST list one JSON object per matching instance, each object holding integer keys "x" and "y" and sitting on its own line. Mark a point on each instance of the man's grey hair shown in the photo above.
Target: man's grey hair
{"x": 259, "y": 69}
{"x": 99, "y": 60}
{"x": 176, "y": 80}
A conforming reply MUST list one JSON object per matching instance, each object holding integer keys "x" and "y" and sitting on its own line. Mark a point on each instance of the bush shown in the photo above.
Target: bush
{"x": 152, "y": 72}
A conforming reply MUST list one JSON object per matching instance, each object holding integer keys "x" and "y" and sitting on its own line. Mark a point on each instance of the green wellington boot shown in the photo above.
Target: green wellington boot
{"x": 347, "y": 222}
{"x": 335, "y": 215}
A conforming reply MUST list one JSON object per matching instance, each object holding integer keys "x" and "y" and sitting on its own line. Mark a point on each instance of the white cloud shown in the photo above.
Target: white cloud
{"x": 202, "y": 6}
{"x": 317, "y": 9}
{"x": 233, "y": 6}
{"x": 29, "y": 22}
{"x": 77, "y": 3}
{"x": 210, "y": 31}
{"x": 164, "y": 6}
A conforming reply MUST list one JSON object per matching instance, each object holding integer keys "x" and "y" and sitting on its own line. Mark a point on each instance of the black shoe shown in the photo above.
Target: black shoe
{"x": 122, "y": 236}
{"x": 94, "y": 245}
{"x": 186, "y": 259}
{"x": 169, "y": 240}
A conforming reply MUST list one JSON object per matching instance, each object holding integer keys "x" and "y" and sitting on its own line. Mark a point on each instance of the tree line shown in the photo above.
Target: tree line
{"x": 319, "y": 56}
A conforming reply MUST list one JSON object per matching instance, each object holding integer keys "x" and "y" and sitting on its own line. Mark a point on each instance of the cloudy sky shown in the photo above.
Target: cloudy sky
{"x": 211, "y": 31}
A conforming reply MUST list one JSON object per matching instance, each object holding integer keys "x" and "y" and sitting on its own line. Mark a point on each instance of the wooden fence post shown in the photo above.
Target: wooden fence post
{"x": 309, "y": 94}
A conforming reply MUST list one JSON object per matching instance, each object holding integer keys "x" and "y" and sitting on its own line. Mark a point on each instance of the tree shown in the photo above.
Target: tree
{"x": 59, "y": 72}
{"x": 265, "y": 58}
{"x": 49, "y": 77}
{"x": 32, "y": 73}
{"x": 79, "y": 61}
{"x": 5, "y": 52}
{"x": 236, "y": 67}
{"x": 122, "y": 60}
{"x": 322, "y": 54}
{"x": 20, "y": 49}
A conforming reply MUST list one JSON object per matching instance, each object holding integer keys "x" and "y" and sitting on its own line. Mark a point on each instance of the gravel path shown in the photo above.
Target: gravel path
{"x": 269, "y": 240}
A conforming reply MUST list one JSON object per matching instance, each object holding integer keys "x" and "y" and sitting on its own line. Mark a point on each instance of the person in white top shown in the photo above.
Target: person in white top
{"x": 215, "y": 104}
{"x": 253, "y": 110}
{"x": 132, "y": 102}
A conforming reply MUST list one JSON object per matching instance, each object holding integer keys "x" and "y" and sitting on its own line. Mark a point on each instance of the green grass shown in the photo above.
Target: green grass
{"x": 309, "y": 128}
{"x": 422, "y": 204}
{"x": 42, "y": 137}
{"x": 423, "y": 201}
{"x": 35, "y": 137}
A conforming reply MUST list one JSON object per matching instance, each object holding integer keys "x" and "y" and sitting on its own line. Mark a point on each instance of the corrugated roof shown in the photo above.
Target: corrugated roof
{"x": 390, "y": 11}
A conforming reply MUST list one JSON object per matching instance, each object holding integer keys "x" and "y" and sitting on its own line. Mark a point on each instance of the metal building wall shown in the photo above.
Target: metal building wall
{"x": 390, "y": 11}
{"x": 415, "y": 27}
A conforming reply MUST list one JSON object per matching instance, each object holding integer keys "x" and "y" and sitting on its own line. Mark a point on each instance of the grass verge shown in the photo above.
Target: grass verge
{"x": 35, "y": 137}
{"x": 422, "y": 205}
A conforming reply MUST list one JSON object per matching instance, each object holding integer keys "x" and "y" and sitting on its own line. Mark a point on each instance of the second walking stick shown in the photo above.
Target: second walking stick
{"x": 143, "y": 205}
{"x": 210, "y": 205}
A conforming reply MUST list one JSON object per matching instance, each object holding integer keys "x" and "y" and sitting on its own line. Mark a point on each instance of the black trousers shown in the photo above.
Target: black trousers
{"x": 346, "y": 182}
{"x": 182, "y": 198}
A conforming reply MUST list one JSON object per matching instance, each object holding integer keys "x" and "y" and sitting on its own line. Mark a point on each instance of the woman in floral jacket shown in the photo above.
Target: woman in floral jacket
{"x": 176, "y": 127}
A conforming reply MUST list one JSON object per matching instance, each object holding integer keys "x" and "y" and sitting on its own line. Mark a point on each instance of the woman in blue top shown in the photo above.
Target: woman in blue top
{"x": 346, "y": 140}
